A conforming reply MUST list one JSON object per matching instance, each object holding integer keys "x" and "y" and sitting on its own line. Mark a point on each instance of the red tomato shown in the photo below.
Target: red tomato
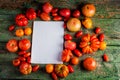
{"x": 35, "y": 68}
{"x": 78, "y": 34}
{"x": 27, "y": 54}
{"x": 54, "y": 76}
{"x": 71, "y": 70}
{"x": 21, "y": 52}
{"x": 25, "y": 68}
{"x": 12, "y": 45}
{"x": 76, "y": 13}
{"x": 24, "y": 44}
{"x": 21, "y": 20}
{"x": 16, "y": 62}
{"x": 38, "y": 13}
{"x": 89, "y": 64}
{"x": 31, "y": 14}
{"x": 54, "y": 10}
{"x": 45, "y": 16}
{"x": 101, "y": 37}
{"x": 47, "y": 7}
{"x": 29, "y": 59}
{"x": 11, "y": 27}
{"x": 97, "y": 30}
{"x": 21, "y": 58}
{"x": 77, "y": 52}
{"x": 55, "y": 14}
{"x": 57, "y": 18}
{"x": 105, "y": 57}
{"x": 64, "y": 26}
{"x": 65, "y": 12}
{"x": 70, "y": 45}
{"x": 67, "y": 37}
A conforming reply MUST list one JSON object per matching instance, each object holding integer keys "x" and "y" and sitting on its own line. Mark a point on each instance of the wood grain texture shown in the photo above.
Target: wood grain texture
{"x": 107, "y": 17}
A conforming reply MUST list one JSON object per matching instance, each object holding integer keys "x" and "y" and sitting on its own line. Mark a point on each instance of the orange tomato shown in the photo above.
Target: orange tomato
{"x": 16, "y": 62}
{"x": 102, "y": 45}
{"x": 44, "y": 16}
{"x": 28, "y": 31}
{"x": 87, "y": 23}
{"x": 19, "y": 32}
{"x": 75, "y": 60}
{"x": 49, "y": 68}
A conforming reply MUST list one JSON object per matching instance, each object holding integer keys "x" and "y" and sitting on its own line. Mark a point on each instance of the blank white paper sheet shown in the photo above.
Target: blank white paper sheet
{"x": 47, "y": 42}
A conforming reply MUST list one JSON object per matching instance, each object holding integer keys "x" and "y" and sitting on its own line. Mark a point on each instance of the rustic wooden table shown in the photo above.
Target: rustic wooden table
{"x": 107, "y": 17}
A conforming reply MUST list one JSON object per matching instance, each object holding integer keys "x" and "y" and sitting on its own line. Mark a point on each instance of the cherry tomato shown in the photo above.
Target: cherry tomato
{"x": 21, "y": 58}
{"x": 16, "y": 62}
{"x": 21, "y": 20}
{"x": 105, "y": 58}
{"x": 27, "y": 54}
{"x": 38, "y": 13}
{"x": 24, "y": 44}
{"x": 21, "y": 52}
{"x": 64, "y": 26}
{"x": 11, "y": 27}
{"x": 47, "y": 7}
{"x": 54, "y": 10}
{"x": 78, "y": 34}
{"x": 19, "y": 32}
{"x": 70, "y": 45}
{"x": 76, "y": 13}
{"x": 97, "y": 30}
{"x": 35, "y": 68}
{"x": 29, "y": 59}
{"x": 77, "y": 52}
{"x": 54, "y": 76}
{"x": 75, "y": 60}
{"x": 45, "y": 16}
{"x": 71, "y": 70}
{"x": 57, "y": 18}
{"x": 12, "y": 45}
{"x": 89, "y": 64}
{"x": 67, "y": 37}
{"x": 25, "y": 68}
{"x": 65, "y": 12}
{"x": 55, "y": 14}
{"x": 101, "y": 37}
{"x": 31, "y": 14}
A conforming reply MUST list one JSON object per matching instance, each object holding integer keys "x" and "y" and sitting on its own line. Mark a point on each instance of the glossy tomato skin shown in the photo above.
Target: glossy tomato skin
{"x": 101, "y": 37}
{"x": 65, "y": 12}
{"x": 78, "y": 34}
{"x": 54, "y": 76}
{"x": 97, "y": 30}
{"x": 45, "y": 16}
{"x": 31, "y": 14}
{"x": 21, "y": 20}
{"x": 77, "y": 52}
{"x": 35, "y": 68}
{"x": 76, "y": 13}
{"x": 24, "y": 44}
{"x": 89, "y": 64}
{"x": 11, "y": 27}
{"x": 12, "y": 45}
{"x": 70, "y": 45}
{"x": 16, "y": 62}
{"x": 105, "y": 57}
{"x": 25, "y": 68}
{"x": 47, "y": 7}
{"x": 71, "y": 69}
{"x": 67, "y": 37}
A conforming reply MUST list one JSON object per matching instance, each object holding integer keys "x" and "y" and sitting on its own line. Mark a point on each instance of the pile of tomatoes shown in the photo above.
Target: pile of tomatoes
{"x": 88, "y": 43}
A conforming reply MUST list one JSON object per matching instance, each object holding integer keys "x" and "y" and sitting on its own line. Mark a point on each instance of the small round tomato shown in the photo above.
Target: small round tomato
{"x": 57, "y": 18}
{"x": 67, "y": 37}
{"x": 70, "y": 45}
{"x": 101, "y": 37}
{"x": 65, "y": 12}
{"x": 27, "y": 54}
{"x": 54, "y": 10}
{"x": 78, "y": 34}
{"x": 103, "y": 45}
{"x": 19, "y": 32}
{"x": 71, "y": 70}
{"x": 49, "y": 68}
{"x": 21, "y": 20}
{"x": 87, "y": 23}
{"x": 24, "y": 44}
{"x": 11, "y": 28}
{"x": 45, "y": 16}
{"x": 12, "y": 45}
{"x": 76, "y": 13}
{"x": 25, "y": 68}
{"x": 75, "y": 60}
{"x": 77, "y": 52}
{"x": 31, "y": 14}
{"x": 97, "y": 30}
{"x": 21, "y": 58}
{"x": 16, "y": 62}
{"x": 35, "y": 68}
{"x": 28, "y": 31}
{"x": 89, "y": 64}
{"x": 47, "y": 7}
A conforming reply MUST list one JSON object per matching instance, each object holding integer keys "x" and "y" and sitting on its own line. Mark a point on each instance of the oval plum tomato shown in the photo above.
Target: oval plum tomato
{"x": 89, "y": 64}
{"x": 24, "y": 44}
{"x": 21, "y": 20}
{"x": 29, "y": 59}
{"x": 65, "y": 12}
{"x": 105, "y": 57}
{"x": 54, "y": 10}
{"x": 49, "y": 68}
{"x": 31, "y": 14}
{"x": 101, "y": 37}
{"x": 67, "y": 37}
{"x": 47, "y": 7}
{"x": 78, "y": 34}
{"x": 28, "y": 31}
{"x": 21, "y": 52}
{"x": 27, "y": 54}
{"x": 11, "y": 27}
{"x": 45, "y": 16}
{"x": 16, "y": 62}
{"x": 35, "y": 68}
{"x": 12, "y": 45}
{"x": 88, "y": 10}
{"x": 71, "y": 70}
{"x": 19, "y": 32}
{"x": 70, "y": 45}
{"x": 77, "y": 52}
{"x": 76, "y": 13}
{"x": 21, "y": 58}
{"x": 97, "y": 30}
{"x": 57, "y": 18}
{"x": 25, "y": 68}
{"x": 75, "y": 60}
{"x": 54, "y": 76}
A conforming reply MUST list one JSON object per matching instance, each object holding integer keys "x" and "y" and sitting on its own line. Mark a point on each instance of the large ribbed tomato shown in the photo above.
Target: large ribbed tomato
{"x": 89, "y": 43}
{"x": 61, "y": 70}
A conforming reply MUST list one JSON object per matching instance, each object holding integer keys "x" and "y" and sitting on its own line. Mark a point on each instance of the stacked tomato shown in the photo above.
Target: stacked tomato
{"x": 88, "y": 43}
